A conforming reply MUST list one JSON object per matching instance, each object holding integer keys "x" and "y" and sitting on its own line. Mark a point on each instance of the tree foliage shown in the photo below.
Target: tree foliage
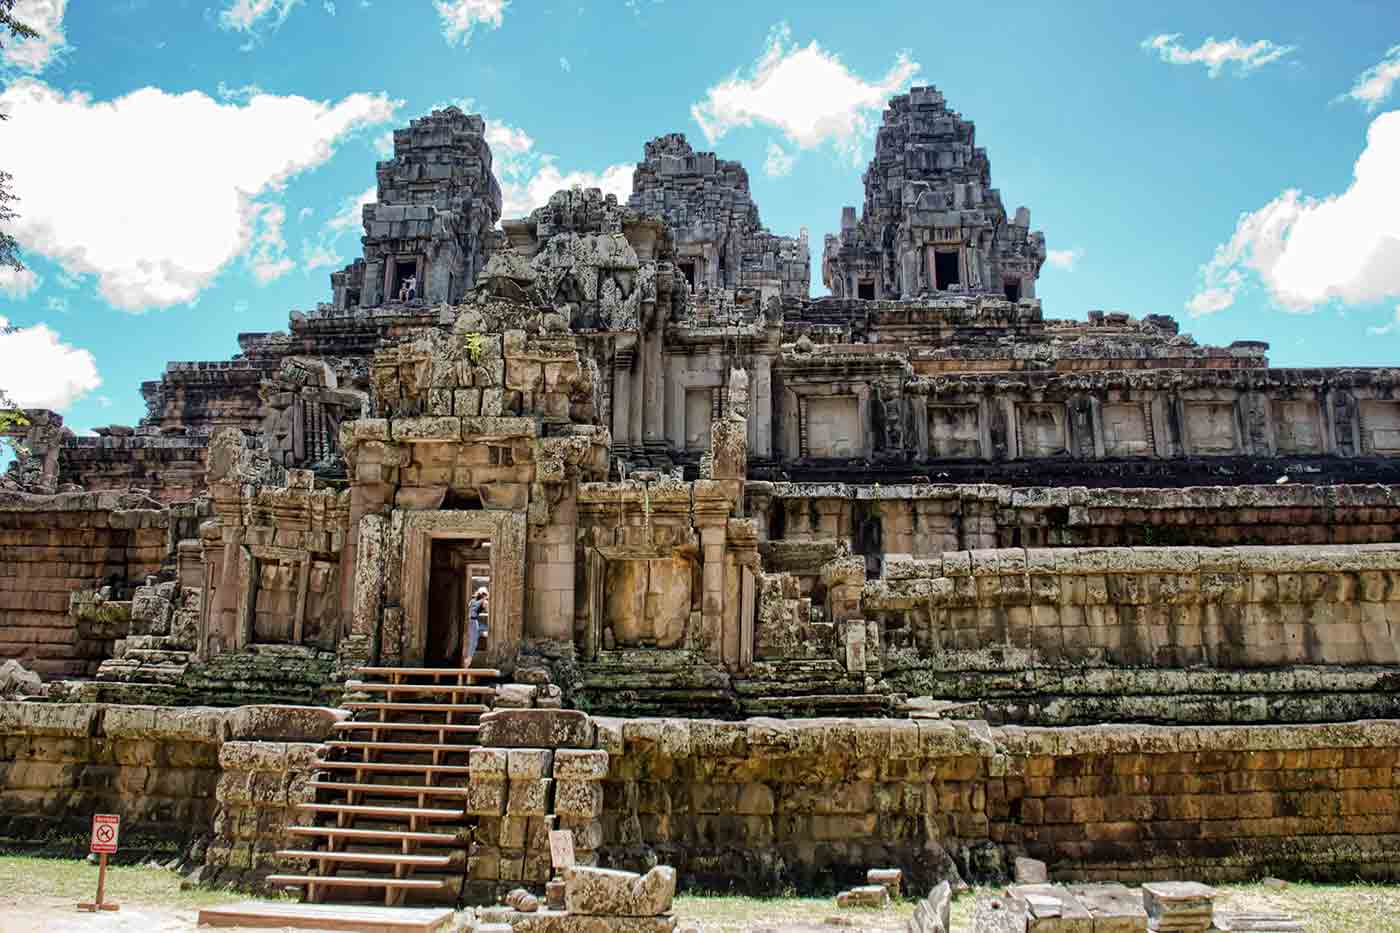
{"x": 9, "y": 247}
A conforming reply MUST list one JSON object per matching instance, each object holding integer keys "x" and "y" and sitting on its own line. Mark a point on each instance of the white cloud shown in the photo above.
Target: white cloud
{"x": 564, "y": 64}
{"x": 18, "y": 284}
{"x": 384, "y": 144}
{"x": 241, "y": 94}
{"x": 186, "y": 208}
{"x": 46, "y": 18}
{"x": 1390, "y": 328}
{"x": 528, "y": 178}
{"x": 779, "y": 161}
{"x": 249, "y": 15}
{"x": 58, "y": 304}
{"x": 521, "y": 197}
{"x": 329, "y": 7}
{"x": 1374, "y": 85}
{"x": 323, "y": 253}
{"x": 304, "y": 213}
{"x": 804, "y": 91}
{"x": 460, "y": 17}
{"x": 104, "y": 401}
{"x": 38, "y": 370}
{"x": 1307, "y": 251}
{"x": 1215, "y": 53}
{"x": 1065, "y": 259}
{"x": 268, "y": 259}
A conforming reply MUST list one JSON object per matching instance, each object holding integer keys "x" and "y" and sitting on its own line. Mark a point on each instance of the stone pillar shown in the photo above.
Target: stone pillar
{"x": 549, "y": 569}
{"x": 712, "y": 598}
{"x": 761, "y": 407}
{"x": 623, "y": 357}
{"x": 653, "y": 393}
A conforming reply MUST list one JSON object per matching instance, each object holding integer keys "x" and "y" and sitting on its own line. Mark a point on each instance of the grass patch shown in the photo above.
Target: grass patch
{"x": 24, "y": 877}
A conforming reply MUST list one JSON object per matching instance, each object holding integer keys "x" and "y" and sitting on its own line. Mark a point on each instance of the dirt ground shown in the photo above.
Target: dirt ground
{"x": 40, "y": 896}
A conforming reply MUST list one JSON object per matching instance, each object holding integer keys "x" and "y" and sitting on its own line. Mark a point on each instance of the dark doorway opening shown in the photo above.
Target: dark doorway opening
{"x": 458, "y": 569}
{"x": 866, "y": 290}
{"x": 1012, "y": 289}
{"x": 352, "y": 298}
{"x": 405, "y": 274}
{"x": 945, "y": 270}
{"x": 688, "y": 270}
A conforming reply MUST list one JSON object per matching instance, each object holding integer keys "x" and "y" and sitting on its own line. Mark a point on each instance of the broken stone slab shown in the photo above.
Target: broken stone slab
{"x": 608, "y": 892}
{"x": 890, "y": 878}
{"x": 1031, "y": 871}
{"x": 933, "y": 913}
{"x": 282, "y": 723}
{"x": 1116, "y": 908}
{"x": 1178, "y": 905}
{"x": 866, "y": 895}
{"x": 523, "y": 901}
{"x": 549, "y": 921}
{"x": 998, "y": 914}
{"x": 536, "y": 728}
{"x": 1257, "y": 922}
{"x": 1052, "y": 909}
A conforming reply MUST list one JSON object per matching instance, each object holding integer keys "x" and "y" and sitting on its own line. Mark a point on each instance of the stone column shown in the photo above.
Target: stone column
{"x": 712, "y": 599}
{"x": 653, "y": 393}
{"x": 623, "y": 357}
{"x": 761, "y": 407}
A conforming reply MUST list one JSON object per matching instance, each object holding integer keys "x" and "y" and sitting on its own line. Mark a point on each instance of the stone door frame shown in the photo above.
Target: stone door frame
{"x": 506, "y": 533}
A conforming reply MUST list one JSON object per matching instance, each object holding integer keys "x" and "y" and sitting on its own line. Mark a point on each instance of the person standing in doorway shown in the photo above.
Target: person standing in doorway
{"x": 477, "y": 610}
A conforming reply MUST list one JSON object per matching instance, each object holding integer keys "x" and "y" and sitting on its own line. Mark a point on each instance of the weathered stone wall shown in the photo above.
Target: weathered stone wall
{"x": 1246, "y": 607}
{"x": 54, "y": 546}
{"x": 61, "y": 763}
{"x": 763, "y": 803}
{"x": 925, "y": 521}
{"x": 225, "y": 780}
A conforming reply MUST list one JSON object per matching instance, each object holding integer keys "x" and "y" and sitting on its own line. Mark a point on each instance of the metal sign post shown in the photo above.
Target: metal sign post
{"x": 106, "y": 828}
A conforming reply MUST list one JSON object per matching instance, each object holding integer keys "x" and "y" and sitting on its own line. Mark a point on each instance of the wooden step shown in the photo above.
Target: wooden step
{"x": 374, "y": 835}
{"x": 366, "y": 881}
{"x": 475, "y": 673}
{"x": 358, "y": 686}
{"x": 369, "y": 858}
{"x": 371, "y": 745}
{"x": 383, "y": 810}
{"x": 350, "y": 725}
{"x": 285, "y": 915}
{"x": 418, "y": 707}
{"x": 408, "y": 790}
{"x": 390, "y": 766}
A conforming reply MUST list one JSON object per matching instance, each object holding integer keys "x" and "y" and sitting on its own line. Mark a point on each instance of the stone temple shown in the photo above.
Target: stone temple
{"x": 781, "y": 587}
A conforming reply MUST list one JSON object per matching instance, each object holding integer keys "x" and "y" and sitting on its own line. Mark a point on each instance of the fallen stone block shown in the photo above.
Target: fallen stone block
{"x": 1052, "y": 909}
{"x": 1115, "y": 908}
{"x": 610, "y": 893}
{"x": 889, "y": 877}
{"x": 867, "y": 895}
{"x": 1031, "y": 871}
{"x": 1178, "y": 905}
{"x": 1257, "y": 922}
{"x": 997, "y": 914}
{"x": 933, "y": 913}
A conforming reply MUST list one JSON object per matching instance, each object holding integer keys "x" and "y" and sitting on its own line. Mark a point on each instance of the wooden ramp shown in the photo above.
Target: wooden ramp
{"x": 347, "y": 917}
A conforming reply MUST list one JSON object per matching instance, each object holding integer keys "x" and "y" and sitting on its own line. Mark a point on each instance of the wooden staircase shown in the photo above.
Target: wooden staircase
{"x": 387, "y": 819}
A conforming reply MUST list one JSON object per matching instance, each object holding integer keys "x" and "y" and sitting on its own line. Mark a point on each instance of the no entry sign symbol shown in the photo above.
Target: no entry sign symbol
{"x": 105, "y": 829}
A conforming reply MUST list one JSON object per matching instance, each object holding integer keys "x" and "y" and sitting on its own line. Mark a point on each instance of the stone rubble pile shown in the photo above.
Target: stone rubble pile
{"x": 1093, "y": 908}
{"x": 596, "y": 900}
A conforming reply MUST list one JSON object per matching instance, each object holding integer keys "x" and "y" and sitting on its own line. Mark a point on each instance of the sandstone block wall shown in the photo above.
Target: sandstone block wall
{"x": 925, "y": 521}
{"x": 259, "y": 787}
{"x": 763, "y": 803}
{"x": 61, "y": 763}
{"x": 1247, "y": 607}
{"x": 54, "y": 546}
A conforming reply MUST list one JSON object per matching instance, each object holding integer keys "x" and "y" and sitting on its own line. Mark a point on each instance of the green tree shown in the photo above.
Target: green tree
{"x": 9, "y": 247}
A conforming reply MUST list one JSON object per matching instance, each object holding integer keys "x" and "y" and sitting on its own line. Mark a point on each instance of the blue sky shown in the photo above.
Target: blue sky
{"x": 191, "y": 170}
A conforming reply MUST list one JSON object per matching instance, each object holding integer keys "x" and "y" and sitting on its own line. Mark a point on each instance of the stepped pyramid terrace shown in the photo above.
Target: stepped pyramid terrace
{"x": 782, "y": 587}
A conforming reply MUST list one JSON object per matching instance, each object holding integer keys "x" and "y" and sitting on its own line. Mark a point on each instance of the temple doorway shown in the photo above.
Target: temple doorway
{"x": 458, "y": 568}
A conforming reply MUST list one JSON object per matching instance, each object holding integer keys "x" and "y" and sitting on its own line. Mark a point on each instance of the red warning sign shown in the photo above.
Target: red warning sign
{"x": 105, "y": 829}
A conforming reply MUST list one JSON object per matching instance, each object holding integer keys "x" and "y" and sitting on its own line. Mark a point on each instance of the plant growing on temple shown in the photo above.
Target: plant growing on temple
{"x": 475, "y": 344}
{"x": 9, "y": 246}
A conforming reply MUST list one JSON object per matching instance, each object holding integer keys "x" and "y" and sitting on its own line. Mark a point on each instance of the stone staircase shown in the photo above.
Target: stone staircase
{"x": 388, "y": 818}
